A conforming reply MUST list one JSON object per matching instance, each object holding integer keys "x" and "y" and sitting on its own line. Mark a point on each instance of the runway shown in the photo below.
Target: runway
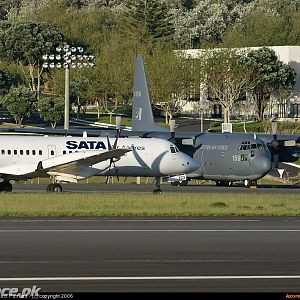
{"x": 151, "y": 254}
{"x": 168, "y": 188}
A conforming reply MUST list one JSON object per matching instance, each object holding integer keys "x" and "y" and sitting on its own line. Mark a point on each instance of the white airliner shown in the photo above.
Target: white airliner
{"x": 69, "y": 159}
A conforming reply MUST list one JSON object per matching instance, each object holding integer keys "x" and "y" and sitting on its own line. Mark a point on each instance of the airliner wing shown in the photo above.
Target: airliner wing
{"x": 78, "y": 160}
{"x": 67, "y": 163}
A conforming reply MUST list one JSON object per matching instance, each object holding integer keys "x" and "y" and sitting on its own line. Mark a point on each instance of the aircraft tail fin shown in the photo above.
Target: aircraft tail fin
{"x": 142, "y": 115}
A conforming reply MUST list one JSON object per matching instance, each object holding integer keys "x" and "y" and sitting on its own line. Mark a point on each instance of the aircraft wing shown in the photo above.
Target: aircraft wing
{"x": 78, "y": 160}
{"x": 67, "y": 163}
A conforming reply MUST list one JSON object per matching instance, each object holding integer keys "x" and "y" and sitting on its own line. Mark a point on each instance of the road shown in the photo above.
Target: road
{"x": 232, "y": 254}
{"x": 168, "y": 188}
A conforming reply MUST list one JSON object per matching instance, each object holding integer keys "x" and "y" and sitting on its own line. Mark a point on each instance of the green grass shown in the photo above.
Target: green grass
{"x": 147, "y": 204}
{"x": 287, "y": 127}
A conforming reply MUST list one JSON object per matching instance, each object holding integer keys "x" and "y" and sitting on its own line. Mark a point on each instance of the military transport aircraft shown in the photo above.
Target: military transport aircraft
{"x": 223, "y": 157}
{"x": 69, "y": 159}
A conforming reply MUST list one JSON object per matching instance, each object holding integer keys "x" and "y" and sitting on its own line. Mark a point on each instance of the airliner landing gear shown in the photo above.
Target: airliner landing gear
{"x": 54, "y": 187}
{"x": 5, "y": 186}
{"x": 157, "y": 185}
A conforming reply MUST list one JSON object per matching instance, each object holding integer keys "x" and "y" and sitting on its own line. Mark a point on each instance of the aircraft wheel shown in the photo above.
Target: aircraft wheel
{"x": 49, "y": 187}
{"x": 175, "y": 183}
{"x": 7, "y": 187}
{"x": 157, "y": 191}
{"x": 56, "y": 188}
{"x": 218, "y": 183}
{"x": 247, "y": 183}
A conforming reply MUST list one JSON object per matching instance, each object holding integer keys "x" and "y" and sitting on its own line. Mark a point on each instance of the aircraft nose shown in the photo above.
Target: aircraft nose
{"x": 262, "y": 165}
{"x": 189, "y": 163}
{"x": 179, "y": 164}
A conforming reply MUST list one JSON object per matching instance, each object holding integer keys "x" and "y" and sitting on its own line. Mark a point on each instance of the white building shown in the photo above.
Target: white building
{"x": 290, "y": 108}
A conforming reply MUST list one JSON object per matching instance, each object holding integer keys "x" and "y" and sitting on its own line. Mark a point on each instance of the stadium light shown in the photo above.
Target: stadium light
{"x": 68, "y": 57}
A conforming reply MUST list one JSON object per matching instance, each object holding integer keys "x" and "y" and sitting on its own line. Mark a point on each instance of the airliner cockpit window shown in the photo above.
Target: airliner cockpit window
{"x": 253, "y": 146}
{"x": 172, "y": 149}
{"x": 177, "y": 150}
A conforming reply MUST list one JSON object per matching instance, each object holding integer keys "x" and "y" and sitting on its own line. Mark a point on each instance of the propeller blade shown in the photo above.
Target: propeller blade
{"x": 116, "y": 171}
{"x": 276, "y": 160}
{"x": 108, "y": 143}
{"x": 107, "y": 178}
{"x": 116, "y": 140}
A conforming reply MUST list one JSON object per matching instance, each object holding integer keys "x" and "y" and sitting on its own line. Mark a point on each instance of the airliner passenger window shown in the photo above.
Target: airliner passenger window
{"x": 15, "y": 152}
{"x": 21, "y": 152}
{"x": 2, "y": 151}
{"x": 64, "y": 152}
{"x": 9, "y": 152}
{"x": 40, "y": 152}
{"x": 33, "y": 152}
{"x": 52, "y": 152}
{"x": 27, "y": 152}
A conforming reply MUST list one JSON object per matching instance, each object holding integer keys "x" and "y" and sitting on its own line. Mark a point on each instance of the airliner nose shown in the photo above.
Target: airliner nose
{"x": 188, "y": 163}
{"x": 180, "y": 163}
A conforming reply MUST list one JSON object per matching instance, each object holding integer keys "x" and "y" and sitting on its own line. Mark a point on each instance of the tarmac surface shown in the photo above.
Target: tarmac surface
{"x": 167, "y": 188}
{"x": 207, "y": 254}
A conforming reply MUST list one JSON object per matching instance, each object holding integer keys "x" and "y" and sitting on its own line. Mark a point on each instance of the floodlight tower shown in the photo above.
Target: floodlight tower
{"x": 68, "y": 57}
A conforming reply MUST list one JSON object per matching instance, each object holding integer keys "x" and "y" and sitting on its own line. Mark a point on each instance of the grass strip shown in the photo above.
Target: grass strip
{"x": 145, "y": 204}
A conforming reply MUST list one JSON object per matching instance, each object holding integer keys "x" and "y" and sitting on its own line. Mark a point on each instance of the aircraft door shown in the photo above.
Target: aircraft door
{"x": 51, "y": 151}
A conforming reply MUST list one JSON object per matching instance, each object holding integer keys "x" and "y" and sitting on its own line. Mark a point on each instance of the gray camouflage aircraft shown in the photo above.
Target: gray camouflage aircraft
{"x": 223, "y": 157}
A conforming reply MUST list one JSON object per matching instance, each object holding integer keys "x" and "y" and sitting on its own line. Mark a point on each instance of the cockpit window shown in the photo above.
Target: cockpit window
{"x": 245, "y": 145}
{"x": 259, "y": 146}
{"x": 172, "y": 148}
{"x": 177, "y": 150}
{"x": 253, "y": 146}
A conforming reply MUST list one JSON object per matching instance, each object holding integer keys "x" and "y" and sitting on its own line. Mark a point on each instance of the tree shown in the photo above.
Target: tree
{"x": 266, "y": 22}
{"x": 52, "y": 109}
{"x": 226, "y": 77}
{"x": 26, "y": 42}
{"x": 20, "y": 102}
{"x": 110, "y": 82}
{"x": 169, "y": 81}
{"x": 205, "y": 22}
{"x": 269, "y": 75}
{"x": 149, "y": 19}
{"x": 78, "y": 90}
{"x": 5, "y": 82}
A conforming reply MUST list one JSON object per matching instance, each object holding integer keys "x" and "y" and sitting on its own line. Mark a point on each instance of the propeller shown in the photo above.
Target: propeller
{"x": 172, "y": 130}
{"x": 110, "y": 147}
{"x": 275, "y": 145}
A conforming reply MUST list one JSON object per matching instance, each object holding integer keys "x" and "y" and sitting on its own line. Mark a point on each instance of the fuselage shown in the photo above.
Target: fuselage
{"x": 20, "y": 155}
{"x": 229, "y": 157}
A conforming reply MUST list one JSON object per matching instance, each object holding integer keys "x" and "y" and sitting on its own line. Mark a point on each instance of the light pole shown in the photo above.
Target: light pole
{"x": 68, "y": 57}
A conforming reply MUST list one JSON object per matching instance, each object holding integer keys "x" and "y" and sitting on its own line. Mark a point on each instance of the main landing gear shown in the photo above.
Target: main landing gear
{"x": 54, "y": 187}
{"x": 5, "y": 186}
{"x": 250, "y": 183}
{"x": 157, "y": 185}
